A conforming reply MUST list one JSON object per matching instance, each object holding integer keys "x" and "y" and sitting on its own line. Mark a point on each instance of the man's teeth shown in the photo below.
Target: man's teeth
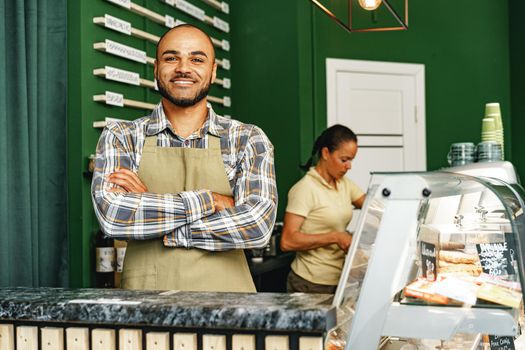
{"x": 183, "y": 82}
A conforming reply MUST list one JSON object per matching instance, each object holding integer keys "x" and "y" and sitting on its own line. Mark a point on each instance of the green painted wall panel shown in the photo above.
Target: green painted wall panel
{"x": 466, "y": 58}
{"x": 517, "y": 68}
{"x": 265, "y": 71}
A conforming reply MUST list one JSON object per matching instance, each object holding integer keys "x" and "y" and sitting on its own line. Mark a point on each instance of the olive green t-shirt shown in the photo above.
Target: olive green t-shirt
{"x": 325, "y": 209}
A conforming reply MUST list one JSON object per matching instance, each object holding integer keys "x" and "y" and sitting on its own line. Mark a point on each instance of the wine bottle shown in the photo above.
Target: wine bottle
{"x": 105, "y": 261}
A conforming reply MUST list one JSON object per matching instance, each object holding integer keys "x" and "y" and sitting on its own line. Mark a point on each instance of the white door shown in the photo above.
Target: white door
{"x": 384, "y": 104}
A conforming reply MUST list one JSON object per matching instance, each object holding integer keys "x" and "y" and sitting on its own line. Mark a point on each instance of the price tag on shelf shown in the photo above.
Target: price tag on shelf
{"x": 227, "y": 102}
{"x": 428, "y": 261}
{"x": 190, "y": 9}
{"x": 117, "y": 24}
{"x": 225, "y": 7}
{"x": 114, "y": 99}
{"x": 125, "y": 51}
{"x": 169, "y": 21}
{"x": 122, "y": 76}
{"x": 220, "y": 24}
{"x": 225, "y": 45}
{"x": 226, "y": 63}
{"x": 123, "y": 3}
{"x": 226, "y": 83}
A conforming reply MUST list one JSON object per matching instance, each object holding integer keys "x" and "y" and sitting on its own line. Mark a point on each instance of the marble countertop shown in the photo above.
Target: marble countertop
{"x": 259, "y": 311}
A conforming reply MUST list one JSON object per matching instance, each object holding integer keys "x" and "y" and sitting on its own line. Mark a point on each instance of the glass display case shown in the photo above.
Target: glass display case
{"x": 436, "y": 256}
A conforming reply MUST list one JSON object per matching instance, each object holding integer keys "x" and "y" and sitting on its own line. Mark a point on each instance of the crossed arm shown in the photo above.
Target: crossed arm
{"x": 200, "y": 218}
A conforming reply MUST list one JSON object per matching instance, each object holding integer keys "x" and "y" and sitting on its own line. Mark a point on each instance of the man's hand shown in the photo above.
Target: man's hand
{"x": 222, "y": 202}
{"x": 128, "y": 180}
{"x": 344, "y": 240}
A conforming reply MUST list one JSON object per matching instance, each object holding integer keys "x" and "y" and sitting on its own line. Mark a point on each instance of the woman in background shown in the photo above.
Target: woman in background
{"x": 319, "y": 210}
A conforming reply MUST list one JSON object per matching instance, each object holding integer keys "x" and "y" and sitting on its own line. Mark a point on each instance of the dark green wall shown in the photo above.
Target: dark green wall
{"x": 517, "y": 79}
{"x": 279, "y": 58}
{"x": 466, "y": 58}
{"x": 267, "y": 92}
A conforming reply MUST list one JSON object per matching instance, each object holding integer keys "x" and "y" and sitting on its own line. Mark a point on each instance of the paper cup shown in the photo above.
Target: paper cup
{"x": 492, "y": 108}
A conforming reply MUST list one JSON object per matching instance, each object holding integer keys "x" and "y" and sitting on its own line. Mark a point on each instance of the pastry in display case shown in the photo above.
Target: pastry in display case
{"x": 436, "y": 263}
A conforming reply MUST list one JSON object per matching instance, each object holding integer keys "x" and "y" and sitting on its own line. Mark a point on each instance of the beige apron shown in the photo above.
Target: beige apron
{"x": 149, "y": 264}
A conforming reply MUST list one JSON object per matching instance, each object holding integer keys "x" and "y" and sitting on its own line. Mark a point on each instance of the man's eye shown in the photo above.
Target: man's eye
{"x": 198, "y": 60}
{"x": 170, "y": 59}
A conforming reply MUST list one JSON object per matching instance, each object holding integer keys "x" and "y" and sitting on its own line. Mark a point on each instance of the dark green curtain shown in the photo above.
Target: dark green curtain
{"x": 33, "y": 205}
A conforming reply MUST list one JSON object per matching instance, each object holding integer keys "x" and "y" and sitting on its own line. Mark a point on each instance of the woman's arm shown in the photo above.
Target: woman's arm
{"x": 358, "y": 203}
{"x": 293, "y": 239}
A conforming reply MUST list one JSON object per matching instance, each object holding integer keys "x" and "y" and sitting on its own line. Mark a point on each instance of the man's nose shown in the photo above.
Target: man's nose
{"x": 348, "y": 165}
{"x": 183, "y": 66}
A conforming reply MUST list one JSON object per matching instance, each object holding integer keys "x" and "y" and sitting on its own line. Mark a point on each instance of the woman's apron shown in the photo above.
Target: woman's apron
{"x": 148, "y": 263}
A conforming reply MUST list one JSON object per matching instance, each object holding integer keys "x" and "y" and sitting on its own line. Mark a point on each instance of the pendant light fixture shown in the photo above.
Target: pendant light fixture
{"x": 368, "y": 5}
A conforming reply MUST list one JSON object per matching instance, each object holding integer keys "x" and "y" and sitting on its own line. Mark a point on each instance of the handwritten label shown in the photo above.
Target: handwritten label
{"x": 117, "y": 24}
{"x": 114, "y": 99}
{"x": 123, "y": 3}
{"x": 495, "y": 259}
{"x": 190, "y": 9}
{"x": 220, "y": 24}
{"x": 501, "y": 343}
{"x": 169, "y": 21}
{"x": 121, "y": 253}
{"x": 226, "y": 83}
{"x": 226, "y": 63}
{"x": 226, "y": 101}
{"x": 428, "y": 260}
{"x": 122, "y": 76}
{"x": 125, "y": 51}
{"x": 225, "y": 45}
{"x": 225, "y": 7}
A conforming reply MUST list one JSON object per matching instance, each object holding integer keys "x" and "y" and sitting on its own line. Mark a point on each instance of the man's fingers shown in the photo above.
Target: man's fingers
{"x": 116, "y": 190}
{"x": 122, "y": 183}
{"x": 133, "y": 182}
{"x": 132, "y": 178}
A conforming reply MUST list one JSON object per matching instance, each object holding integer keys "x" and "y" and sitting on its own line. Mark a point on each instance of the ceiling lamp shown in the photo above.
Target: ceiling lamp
{"x": 369, "y": 5}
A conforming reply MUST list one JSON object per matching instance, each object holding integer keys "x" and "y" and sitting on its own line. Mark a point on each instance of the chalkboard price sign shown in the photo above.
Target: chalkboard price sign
{"x": 501, "y": 343}
{"x": 428, "y": 260}
{"x": 495, "y": 258}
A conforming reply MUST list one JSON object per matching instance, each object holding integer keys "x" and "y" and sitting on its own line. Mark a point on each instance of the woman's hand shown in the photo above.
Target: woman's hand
{"x": 343, "y": 240}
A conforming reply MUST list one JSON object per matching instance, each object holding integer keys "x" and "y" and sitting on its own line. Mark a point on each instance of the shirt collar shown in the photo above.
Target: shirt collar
{"x": 313, "y": 173}
{"x": 159, "y": 122}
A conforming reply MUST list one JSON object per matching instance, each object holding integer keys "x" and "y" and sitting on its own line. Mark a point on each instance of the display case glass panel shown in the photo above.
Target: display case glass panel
{"x": 434, "y": 254}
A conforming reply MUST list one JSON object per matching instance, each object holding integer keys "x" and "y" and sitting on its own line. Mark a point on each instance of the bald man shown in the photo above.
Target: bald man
{"x": 186, "y": 187}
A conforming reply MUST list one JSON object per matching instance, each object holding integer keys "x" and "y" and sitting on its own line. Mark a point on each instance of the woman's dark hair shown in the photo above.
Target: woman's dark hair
{"x": 331, "y": 138}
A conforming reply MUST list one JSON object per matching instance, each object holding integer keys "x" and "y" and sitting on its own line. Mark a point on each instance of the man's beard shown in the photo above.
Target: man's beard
{"x": 183, "y": 102}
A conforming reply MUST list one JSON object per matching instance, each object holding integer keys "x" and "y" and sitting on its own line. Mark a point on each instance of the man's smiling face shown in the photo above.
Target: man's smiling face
{"x": 185, "y": 66}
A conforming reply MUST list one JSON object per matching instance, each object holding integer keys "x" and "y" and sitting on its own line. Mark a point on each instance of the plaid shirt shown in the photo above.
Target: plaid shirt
{"x": 187, "y": 219}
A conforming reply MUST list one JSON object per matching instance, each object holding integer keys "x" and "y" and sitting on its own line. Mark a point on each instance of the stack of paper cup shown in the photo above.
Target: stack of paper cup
{"x": 493, "y": 111}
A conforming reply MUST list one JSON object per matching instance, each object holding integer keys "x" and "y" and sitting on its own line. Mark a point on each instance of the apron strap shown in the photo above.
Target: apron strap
{"x": 150, "y": 143}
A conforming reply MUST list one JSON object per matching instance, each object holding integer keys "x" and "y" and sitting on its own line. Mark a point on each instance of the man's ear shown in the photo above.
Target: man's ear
{"x": 155, "y": 68}
{"x": 214, "y": 72}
